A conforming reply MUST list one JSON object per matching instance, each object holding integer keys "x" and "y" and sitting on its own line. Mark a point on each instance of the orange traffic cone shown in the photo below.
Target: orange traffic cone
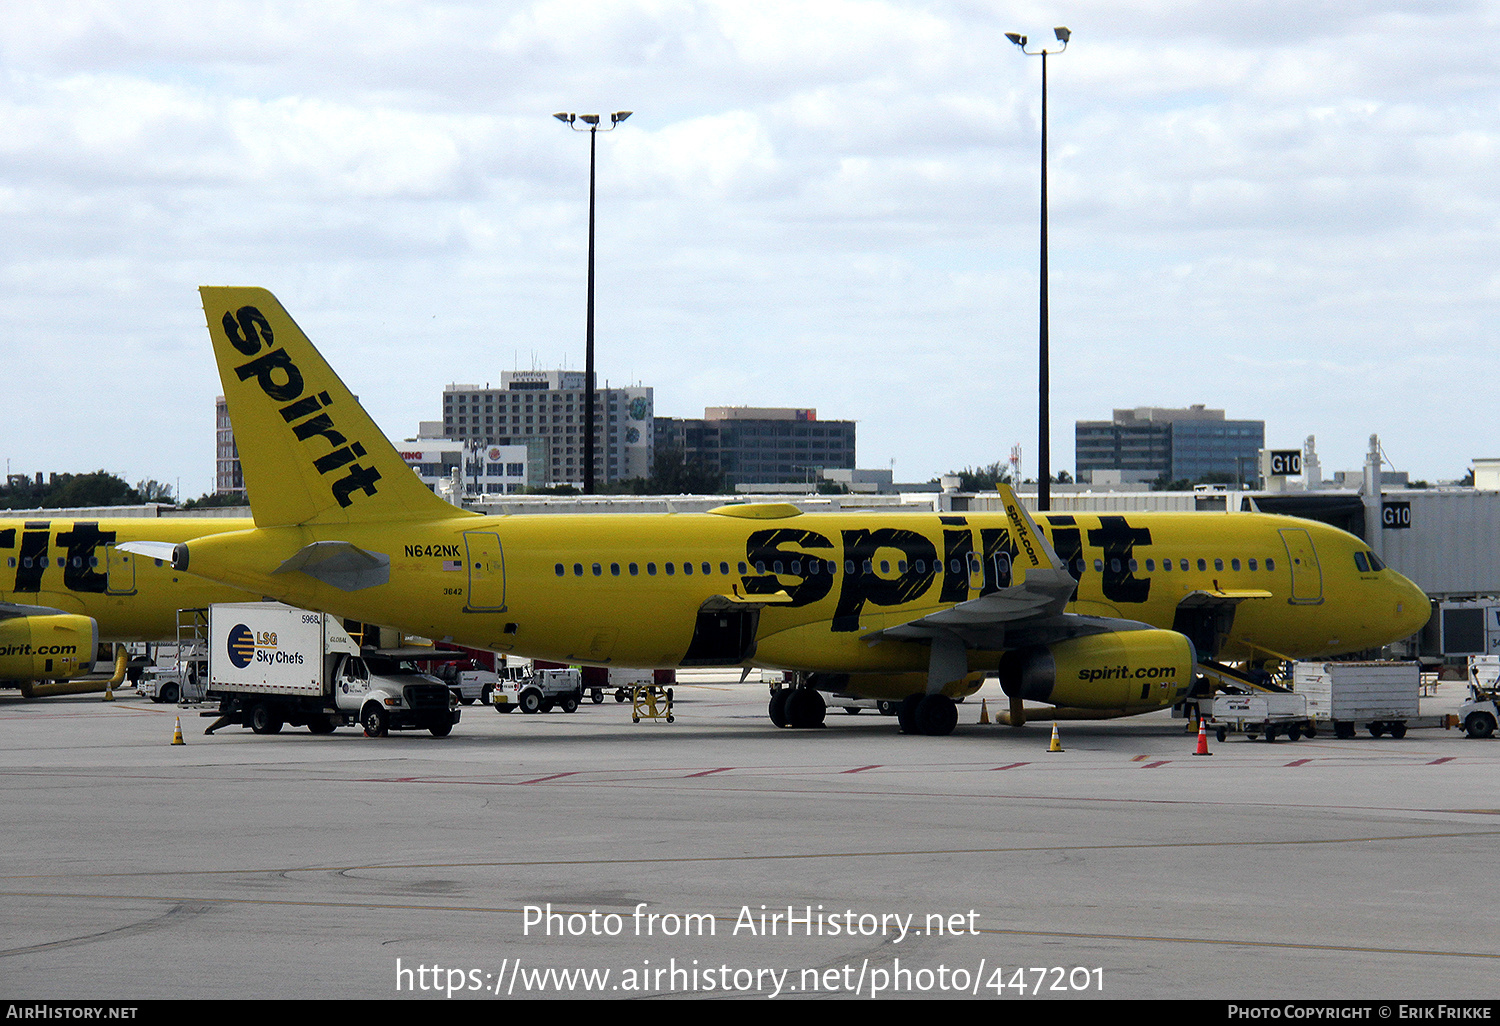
{"x": 1202, "y": 739}
{"x": 984, "y": 712}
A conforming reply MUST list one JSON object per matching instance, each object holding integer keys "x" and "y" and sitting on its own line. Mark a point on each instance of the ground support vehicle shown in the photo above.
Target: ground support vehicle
{"x": 1381, "y": 697}
{"x": 1267, "y": 714}
{"x": 597, "y": 680}
{"x": 179, "y": 672}
{"x": 1480, "y": 714}
{"x": 468, "y": 684}
{"x": 533, "y": 691}
{"x": 271, "y": 665}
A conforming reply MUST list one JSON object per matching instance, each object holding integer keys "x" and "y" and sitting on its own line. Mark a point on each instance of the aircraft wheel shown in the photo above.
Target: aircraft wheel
{"x": 1479, "y": 725}
{"x": 263, "y": 720}
{"x": 1398, "y": 730}
{"x": 374, "y": 721}
{"x": 805, "y": 708}
{"x": 777, "y": 710}
{"x": 906, "y": 713}
{"x": 937, "y": 715}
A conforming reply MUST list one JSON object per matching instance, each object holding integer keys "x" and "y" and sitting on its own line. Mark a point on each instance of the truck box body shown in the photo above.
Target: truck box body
{"x": 269, "y": 648}
{"x": 1359, "y": 691}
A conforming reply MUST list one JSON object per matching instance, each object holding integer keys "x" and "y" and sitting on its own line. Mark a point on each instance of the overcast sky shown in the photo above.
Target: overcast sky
{"x": 1287, "y": 210}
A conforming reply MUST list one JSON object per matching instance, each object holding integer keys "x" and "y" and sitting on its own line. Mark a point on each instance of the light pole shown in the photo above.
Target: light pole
{"x": 591, "y": 123}
{"x": 1044, "y": 440}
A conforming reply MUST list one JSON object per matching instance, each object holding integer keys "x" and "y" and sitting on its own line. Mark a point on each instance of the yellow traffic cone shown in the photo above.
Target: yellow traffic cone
{"x": 1056, "y": 741}
{"x": 177, "y": 733}
{"x": 984, "y": 712}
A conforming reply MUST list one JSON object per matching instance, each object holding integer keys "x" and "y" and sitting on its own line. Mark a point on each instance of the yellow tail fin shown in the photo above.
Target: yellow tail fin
{"x": 309, "y": 452}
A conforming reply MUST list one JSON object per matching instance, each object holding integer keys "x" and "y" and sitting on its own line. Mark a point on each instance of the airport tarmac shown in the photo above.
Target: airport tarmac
{"x": 298, "y": 866}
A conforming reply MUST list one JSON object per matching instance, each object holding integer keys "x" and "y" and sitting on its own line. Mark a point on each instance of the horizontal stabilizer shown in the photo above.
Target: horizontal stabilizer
{"x": 340, "y": 564}
{"x": 163, "y": 551}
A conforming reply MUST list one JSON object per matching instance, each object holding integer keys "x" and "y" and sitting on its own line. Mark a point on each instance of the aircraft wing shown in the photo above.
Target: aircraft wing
{"x": 1028, "y": 612}
{"x": 9, "y": 610}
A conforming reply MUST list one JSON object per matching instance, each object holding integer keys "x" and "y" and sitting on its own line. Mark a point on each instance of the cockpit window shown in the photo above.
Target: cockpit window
{"x": 1376, "y": 563}
{"x": 1360, "y": 563}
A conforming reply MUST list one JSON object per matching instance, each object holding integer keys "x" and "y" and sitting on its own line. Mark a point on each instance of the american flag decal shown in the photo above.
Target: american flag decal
{"x": 453, "y": 564}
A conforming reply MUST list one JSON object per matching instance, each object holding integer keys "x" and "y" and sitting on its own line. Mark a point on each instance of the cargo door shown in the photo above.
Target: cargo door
{"x": 486, "y": 564}
{"x": 1307, "y": 575}
{"x": 120, "y": 570}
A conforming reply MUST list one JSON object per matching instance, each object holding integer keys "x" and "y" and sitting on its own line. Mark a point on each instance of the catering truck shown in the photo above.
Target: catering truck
{"x": 270, "y": 664}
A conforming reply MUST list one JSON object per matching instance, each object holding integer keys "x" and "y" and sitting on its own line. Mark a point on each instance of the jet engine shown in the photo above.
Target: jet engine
{"x": 1130, "y": 671}
{"x": 56, "y": 646}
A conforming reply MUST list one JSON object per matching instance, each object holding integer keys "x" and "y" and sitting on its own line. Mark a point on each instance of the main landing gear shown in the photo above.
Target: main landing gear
{"x": 934, "y": 715}
{"x": 798, "y": 707}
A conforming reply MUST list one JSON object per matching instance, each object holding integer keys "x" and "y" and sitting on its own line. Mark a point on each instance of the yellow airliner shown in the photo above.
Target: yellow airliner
{"x": 66, "y": 586}
{"x": 1108, "y": 613}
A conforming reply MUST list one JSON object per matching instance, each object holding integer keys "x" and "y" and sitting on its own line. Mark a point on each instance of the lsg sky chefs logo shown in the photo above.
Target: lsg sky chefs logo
{"x": 241, "y": 646}
{"x": 246, "y": 646}
{"x": 247, "y": 329}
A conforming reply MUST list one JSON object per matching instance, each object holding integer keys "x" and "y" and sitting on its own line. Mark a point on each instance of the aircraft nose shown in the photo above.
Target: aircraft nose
{"x": 1412, "y": 607}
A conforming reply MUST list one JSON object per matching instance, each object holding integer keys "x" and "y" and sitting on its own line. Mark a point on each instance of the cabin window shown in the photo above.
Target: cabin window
{"x": 743, "y": 567}
{"x": 577, "y": 569}
{"x": 1166, "y": 564}
{"x": 1218, "y": 564}
{"x": 885, "y": 566}
{"x": 1150, "y": 565}
{"x": 708, "y": 568}
{"x": 635, "y": 569}
{"x": 561, "y": 571}
{"x": 797, "y": 567}
{"x": 1202, "y": 564}
{"x": 1270, "y": 563}
{"x": 1098, "y": 566}
{"x": 687, "y": 567}
{"x": 614, "y": 569}
{"x": 868, "y": 568}
{"x": 901, "y": 566}
{"x": 776, "y": 567}
{"x": 598, "y": 570}
{"x": 849, "y": 566}
{"x": 1252, "y": 564}
{"x": 921, "y": 566}
{"x": 650, "y": 569}
{"x": 952, "y": 567}
{"x": 1114, "y": 566}
{"x": 1133, "y": 566}
{"x": 669, "y": 568}
{"x": 1234, "y": 564}
{"x": 724, "y": 569}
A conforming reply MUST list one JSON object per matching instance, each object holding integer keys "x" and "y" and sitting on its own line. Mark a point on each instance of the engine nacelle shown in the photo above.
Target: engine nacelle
{"x": 56, "y": 646}
{"x": 1134, "y": 671}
